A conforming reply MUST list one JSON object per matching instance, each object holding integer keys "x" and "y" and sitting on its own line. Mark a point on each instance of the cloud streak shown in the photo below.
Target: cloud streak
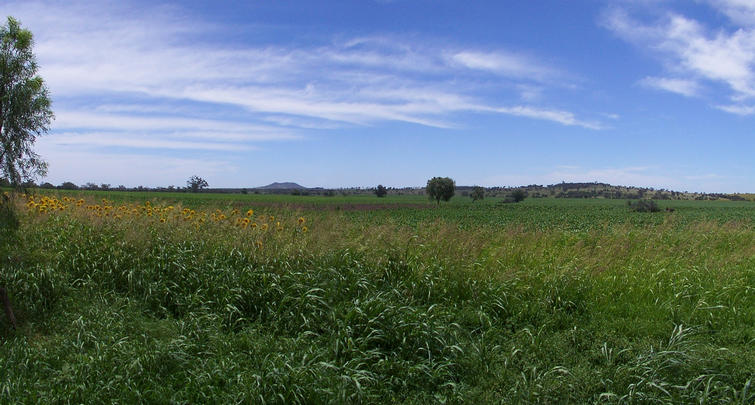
{"x": 157, "y": 56}
{"x": 688, "y": 88}
{"x": 503, "y": 63}
{"x": 692, "y": 52}
{"x": 142, "y": 141}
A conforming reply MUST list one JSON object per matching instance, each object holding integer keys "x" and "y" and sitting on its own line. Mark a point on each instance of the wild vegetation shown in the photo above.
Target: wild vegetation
{"x": 394, "y": 299}
{"x": 559, "y": 190}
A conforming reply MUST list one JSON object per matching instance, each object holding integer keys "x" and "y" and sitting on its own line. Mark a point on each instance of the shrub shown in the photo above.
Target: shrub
{"x": 478, "y": 193}
{"x": 644, "y": 206}
{"x": 518, "y": 195}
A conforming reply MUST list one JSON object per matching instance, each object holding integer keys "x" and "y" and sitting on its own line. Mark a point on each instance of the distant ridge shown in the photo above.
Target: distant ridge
{"x": 282, "y": 186}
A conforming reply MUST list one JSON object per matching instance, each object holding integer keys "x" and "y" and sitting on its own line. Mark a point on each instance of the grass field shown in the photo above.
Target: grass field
{"x": 190, "y": 298}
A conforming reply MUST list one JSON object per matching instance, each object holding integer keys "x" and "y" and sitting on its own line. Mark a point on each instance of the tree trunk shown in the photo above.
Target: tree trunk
{"x": 8, "y": 309}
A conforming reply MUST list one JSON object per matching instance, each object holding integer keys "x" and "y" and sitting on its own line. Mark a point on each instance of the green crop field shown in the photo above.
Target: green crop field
{"x": 226, "y": 298}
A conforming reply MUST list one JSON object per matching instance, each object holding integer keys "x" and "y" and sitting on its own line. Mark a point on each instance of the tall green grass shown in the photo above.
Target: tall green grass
{"x": 366, "y": 312}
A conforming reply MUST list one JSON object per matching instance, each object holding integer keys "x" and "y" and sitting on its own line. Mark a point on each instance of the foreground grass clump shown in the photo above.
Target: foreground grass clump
{"x": 134, "y": 309}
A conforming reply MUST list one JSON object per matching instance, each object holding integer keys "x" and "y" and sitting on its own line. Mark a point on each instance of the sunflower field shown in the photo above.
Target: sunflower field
{"x": 254, "y": 299}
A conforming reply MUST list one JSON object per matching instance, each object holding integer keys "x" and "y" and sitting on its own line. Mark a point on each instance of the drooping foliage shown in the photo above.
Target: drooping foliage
{"x": 25, "y": 111}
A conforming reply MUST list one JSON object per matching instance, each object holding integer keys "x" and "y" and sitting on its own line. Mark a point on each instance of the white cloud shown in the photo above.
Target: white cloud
{"x": 142, "y": 141}
{"x": 739, "y": 11}
{"x": 692, "y": 52}
{"x": 160, "y": 132}
{"x": 738, "y": 109}
{"x": 562, "y": 117}
{"x": 91, "y": 52}
{"x": 158, "y": 79}
{"x": 503, "y": 63}
{"x": 530, "y": 93}
{"x": 68, "y": 119}
{"x": 684, "y": 87}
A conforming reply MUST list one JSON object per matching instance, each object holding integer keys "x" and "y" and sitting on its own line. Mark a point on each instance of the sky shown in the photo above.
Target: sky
{"x": 348, "y": 93}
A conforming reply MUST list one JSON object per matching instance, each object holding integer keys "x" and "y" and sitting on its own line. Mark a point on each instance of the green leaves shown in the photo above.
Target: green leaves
{"x": 601, "y": 309}
{"x": 25, "y": 111}
{"x": 440, "y": 188}
{"x": 8, "y": 217}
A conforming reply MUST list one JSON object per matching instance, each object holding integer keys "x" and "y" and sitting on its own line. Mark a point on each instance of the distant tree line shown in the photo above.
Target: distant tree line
{"x": 603, "y": 190}
{"x": 560, "y": 190}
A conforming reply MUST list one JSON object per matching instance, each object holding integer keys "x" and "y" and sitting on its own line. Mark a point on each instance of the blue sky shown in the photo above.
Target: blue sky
{"x": 356, "y": 93}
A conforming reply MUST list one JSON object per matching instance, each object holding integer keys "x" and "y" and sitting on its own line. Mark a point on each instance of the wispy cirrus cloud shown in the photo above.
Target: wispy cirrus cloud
{"x": 158, "y": 79}
{"x": 143, "y": 141}
{"x": 504, "y": 63}
{"x": 685, "y": 87}
{"x": 157, "y": 55}
{"x": 73, "y": 119}
{"x": 738, "y": 109}
{"x": 692, "y": 52}
{"x": 562, "y": 117}
{"x": 739, "y": 11}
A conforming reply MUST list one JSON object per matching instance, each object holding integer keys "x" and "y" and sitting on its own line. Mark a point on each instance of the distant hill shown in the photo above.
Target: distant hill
{"x": 282, "y": 186}
{"x": 603, "y": 190}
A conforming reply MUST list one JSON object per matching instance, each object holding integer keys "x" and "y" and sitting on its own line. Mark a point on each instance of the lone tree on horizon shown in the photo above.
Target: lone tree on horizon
{"x": 381, "y": 191}
{"x": 25, "y": 114}
{"x": 478, "y": 193}
{"x": 519, "y": 195}
{"x": 196, "y": 183}
{"x": 440, "y": 188}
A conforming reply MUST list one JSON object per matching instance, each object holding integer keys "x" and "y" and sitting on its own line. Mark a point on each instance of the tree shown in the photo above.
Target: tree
{"x": 68, "y": 186}
{"x": 478, "y": 193}
{"x": 25, "y": 110}
{"x": 644, "y": 206}
{"x": 518, "y": 195}
{"x": 25, "y": 114}
{"x": 196, "y": 183}
{"x": 8, "y": 226}
{"x": 381, "y": 191}
{"x": 440, "y": 188}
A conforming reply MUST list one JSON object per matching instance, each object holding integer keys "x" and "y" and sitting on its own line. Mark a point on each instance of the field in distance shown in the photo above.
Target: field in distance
{"x": 180, "y": 297}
